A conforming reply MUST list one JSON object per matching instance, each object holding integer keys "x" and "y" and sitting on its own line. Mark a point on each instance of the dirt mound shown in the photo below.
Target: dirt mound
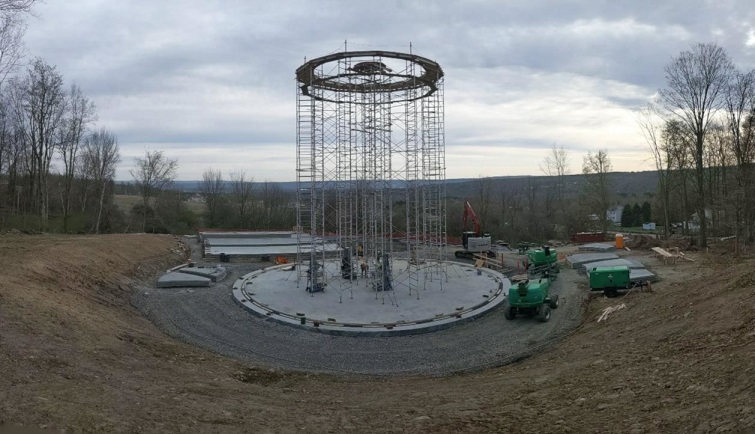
{"x": 75, "y": 355}
{"x": 638, "y": 241}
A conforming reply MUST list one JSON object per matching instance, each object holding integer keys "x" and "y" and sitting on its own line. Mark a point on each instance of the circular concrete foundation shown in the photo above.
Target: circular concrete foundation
{"x": 422, "y": 300}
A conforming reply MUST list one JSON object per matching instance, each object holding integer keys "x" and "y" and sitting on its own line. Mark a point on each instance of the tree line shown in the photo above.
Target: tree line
{"x": 538, "y": 209}
{"x": 52, "y": 160}
{"x": 43, "y": 122}
{"x": 57, "y": 167}
{"x": 701, "y": 134}
{"x": 238, "y": 202}
{"x": 700, "y": 131}
{"x": 636, "y": 215}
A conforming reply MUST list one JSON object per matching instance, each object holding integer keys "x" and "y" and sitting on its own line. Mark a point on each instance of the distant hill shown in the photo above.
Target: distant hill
{"x": 624, "y": 184}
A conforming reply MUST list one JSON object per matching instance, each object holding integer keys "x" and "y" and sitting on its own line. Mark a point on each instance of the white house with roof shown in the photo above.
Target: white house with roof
{"x": 614, "y": 214}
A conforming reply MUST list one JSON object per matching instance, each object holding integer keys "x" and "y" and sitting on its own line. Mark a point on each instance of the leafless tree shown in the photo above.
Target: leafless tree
{"x": 651, "y": 125}
{"x": 482, "y": 205}
{"x": 12, "y": 30}
{"x": 10, "y": 6}
{"x": 6, "y": 127}
{"x": 79, "y": 113}
{"x": 212, "y": 190}
{"x": 242, "y": 189}
{"x": 597, "y": 192}
{"x": 275, "y": 212}
{"x": 696, "y": 81}
{"x": 152, "y": 174}
{"x": 556, "y": 165}
{"x": 535, "y": 222}
{"x": 717, "y": 159}
{"x": 11, "y": 44}
{"x": 740, "y": 113}
{"x": 12, "y": 146}
{"x": 100, "y": 159}
{"x": 39, "y": 110}
{"x": 679, "y": 145}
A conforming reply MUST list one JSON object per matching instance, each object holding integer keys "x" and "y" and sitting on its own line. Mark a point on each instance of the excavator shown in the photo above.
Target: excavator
{"x": 475, "y": 242}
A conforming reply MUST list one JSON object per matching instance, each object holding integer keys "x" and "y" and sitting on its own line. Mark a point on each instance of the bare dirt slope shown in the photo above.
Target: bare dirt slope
{"x": 75, "y": 354}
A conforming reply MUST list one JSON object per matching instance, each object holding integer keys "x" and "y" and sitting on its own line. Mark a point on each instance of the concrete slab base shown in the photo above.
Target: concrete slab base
{"x": 215, "y": 274}
{"x": 176, "y": 279}
{"x": 642, "y": 275}
{"x": 422, "y": 300}
{"x": 597, "y": 247}
{"x": 259, "y": 244}
{"x": 577, "y": 260}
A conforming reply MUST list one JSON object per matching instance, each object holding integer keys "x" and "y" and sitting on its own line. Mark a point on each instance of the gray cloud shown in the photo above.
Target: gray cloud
{"x": 198, "y": 77}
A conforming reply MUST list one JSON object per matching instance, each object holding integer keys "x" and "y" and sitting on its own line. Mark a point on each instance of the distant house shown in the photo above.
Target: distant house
{"x": 614, "y": 214}
{"x": 648, "y": 226}
{"x": 195, "y": 197}
{"x": 693, "y": 224}
{"x": 708, "y": 216}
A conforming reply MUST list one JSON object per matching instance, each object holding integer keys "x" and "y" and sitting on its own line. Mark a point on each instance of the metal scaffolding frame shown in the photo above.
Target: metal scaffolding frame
{"x": 370, "y": 166}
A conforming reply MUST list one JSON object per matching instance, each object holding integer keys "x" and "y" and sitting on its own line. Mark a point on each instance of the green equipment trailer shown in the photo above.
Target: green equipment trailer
{"x": 542, "y": 261}
{"x": 610, "y": 280}
{"x": 531, "y": 298}
{"x": 522, "y": 248}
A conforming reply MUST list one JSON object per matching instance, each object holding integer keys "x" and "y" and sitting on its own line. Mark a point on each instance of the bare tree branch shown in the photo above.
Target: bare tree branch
{"x": 152, "y": 174}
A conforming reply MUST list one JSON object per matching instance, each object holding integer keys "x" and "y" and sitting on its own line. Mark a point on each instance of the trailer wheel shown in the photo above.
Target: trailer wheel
{"x": 544, "y": 313}
{"x": 554, "y": 302}
{"x": 509, "y": 313}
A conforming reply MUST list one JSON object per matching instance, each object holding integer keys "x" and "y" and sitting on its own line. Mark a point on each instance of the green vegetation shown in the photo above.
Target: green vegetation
{"x": 636, "y": 215}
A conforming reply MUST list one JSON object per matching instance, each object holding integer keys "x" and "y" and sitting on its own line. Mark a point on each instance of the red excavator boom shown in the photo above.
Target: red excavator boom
{"x": 469, "y": 214}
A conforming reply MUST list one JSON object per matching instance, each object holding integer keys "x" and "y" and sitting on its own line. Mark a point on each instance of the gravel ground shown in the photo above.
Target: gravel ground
{"x": 209, "y": 318}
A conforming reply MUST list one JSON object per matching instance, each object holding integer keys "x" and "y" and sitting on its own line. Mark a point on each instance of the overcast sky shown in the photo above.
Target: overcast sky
{"x": 211, "y": 83}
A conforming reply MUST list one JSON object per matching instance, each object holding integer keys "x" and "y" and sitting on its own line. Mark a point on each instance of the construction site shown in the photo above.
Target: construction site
{"x": 368, "y": 316}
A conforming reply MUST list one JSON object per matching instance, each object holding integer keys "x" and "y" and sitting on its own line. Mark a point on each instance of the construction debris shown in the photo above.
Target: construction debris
{"x": 609, "y": 310}
{"x": 672, "y": 256}
{"x": 483, "y": 260}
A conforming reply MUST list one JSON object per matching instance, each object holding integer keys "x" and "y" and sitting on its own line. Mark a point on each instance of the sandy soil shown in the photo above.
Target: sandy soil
{"x": 76, "y": 355}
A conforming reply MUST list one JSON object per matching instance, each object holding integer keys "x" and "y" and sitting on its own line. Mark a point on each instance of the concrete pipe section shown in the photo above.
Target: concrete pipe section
{"x": 211, "y": 318}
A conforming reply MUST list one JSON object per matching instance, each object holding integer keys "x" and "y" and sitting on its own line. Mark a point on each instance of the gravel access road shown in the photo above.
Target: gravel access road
{"x": 211, "y": 319}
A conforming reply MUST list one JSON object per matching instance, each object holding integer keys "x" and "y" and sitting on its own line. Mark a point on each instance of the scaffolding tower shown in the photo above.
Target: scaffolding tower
{"x": 370, "y": 171}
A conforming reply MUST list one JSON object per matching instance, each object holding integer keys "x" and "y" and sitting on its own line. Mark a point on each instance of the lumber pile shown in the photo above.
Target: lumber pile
{"x": 664, "y": 255}
{"x": 482, "y": 260}
{"x": 672, "y": 256}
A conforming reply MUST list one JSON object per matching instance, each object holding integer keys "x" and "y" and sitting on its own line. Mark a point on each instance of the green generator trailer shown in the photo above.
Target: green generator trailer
{"x": 610, "y": 280}
{"x": 531, "y": 298}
